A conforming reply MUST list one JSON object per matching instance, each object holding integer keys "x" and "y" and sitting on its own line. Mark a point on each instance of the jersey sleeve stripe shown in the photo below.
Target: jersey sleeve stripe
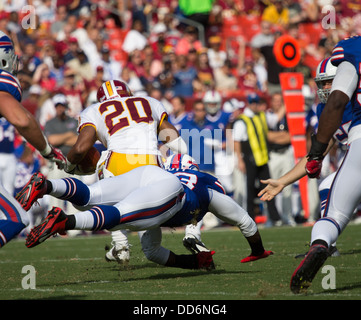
{"x": 162, "y": 118}
{"x": 14, "y": 84}
{"x": 85, "y": 125}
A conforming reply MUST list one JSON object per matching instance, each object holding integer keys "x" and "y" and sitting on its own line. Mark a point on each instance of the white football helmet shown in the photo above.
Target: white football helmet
{"x": 180, "y": 161}
{"x": 325, "y": 71}
{"x": 8, "y": 59}
{"x": 212, "y": 101}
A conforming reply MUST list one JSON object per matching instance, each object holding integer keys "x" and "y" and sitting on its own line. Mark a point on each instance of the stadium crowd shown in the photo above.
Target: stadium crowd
{"x": 175, "y": 51}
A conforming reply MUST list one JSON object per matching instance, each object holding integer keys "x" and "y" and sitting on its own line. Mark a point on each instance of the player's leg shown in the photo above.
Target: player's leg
{"x": 226, "y": 209}
{"x": 192, "y": 238}
{"x": 156, "y": 200}
{"x": 119, "y": 251}
{"x": 343, "y": 198}
{"x": 324, "y": 189}
{"x": 13, "y": 218}
{"x": 151, "y": 246}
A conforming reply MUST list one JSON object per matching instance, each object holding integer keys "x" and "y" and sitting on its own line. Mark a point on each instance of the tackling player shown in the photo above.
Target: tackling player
{"x": 201, "y": 193}
{"x": 12, "y": 217}
{"x": 129, "y": 127}
{"x": 345, "y": 192}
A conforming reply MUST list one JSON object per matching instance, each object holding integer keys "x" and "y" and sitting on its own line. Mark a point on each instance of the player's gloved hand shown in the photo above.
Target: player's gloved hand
{"x": 55, "y": 155}
{"x": 315, "y": 157}
{"x": 73, "y": 169}
{"x": 69, "y": 167}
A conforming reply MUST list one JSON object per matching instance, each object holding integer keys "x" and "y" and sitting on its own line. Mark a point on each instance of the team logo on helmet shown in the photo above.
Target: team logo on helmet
{"x": 181, "y": 161}
{"x": 112, "y": 89}
{"x": 8, "y": 59}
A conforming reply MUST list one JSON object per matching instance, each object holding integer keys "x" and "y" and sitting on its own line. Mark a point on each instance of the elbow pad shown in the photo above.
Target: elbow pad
{"x": 178, "y": 145}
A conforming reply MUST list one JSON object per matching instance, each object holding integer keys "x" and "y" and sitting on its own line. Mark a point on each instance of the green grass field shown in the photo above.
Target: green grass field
{"x": 74, "y": 268}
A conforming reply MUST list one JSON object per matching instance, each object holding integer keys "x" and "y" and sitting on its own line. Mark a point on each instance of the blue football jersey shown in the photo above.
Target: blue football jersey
{"x": 349, "y": 50}
{"x": 10, "y": 84}
{"x": 219, "y": 123}
{"x": 196, "y": 185}
{"x": 7, "y": 136}
{"x": 195, "y": 136}
{"x": 342, "y": 132}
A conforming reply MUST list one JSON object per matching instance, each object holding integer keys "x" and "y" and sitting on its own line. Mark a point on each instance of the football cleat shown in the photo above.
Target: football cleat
{"x": 205, "y": 260}
{"x": 32, "y": 191}
{"x": 119, "y": 254}
{"x": 54, "y": 223}
{"x": 251, "y": 257}
{"x": 194, "y": 245}
{"x": 308, "y": 268}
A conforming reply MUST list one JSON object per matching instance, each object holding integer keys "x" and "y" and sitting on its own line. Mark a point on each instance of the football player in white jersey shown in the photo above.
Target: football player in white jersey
{"x": 13, "y": 218}
{"x": 129, "y": 127}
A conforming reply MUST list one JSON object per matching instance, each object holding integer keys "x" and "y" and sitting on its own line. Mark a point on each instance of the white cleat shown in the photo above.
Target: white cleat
{"x": 120, "y": 254}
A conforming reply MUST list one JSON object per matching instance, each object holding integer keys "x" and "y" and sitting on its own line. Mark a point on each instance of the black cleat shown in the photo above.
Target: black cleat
{"x": 308, "y": 268}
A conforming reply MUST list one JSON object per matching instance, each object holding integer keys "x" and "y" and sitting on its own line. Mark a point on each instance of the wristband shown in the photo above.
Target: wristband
{"x": 178, "y": 145}
{"x": 317, "y": 149}
{"x": 47, "y": 149}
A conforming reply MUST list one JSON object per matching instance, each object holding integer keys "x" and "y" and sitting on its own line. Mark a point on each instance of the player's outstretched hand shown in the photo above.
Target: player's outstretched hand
{"x": 56, "y": 156}
{"x": 273, "y": 188}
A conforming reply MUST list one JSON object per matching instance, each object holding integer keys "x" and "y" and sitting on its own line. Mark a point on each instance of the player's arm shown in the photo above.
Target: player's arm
{"x": 28, "y": 127}
{"x": 275, "y": 186}
{"x": 86, "y": 139}
{"x": 168, "y": 134}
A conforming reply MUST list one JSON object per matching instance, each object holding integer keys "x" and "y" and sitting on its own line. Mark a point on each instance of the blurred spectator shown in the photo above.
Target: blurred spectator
{"x": 31, "y": 103}
{"x": 58, "y": 69}
{"x": 7, "y": 155}
{"x": 178, "y": 115}
{"x": 133, "y": 81}
{"x": 46, "y": 11}
{"x": 224, "y": 78}
{"x": 188, "y": 41}
{"x": 265, "y": 37}
{"x": 247, "y": 80}
{"x": 135, "y": 62}
{"x": 97, "y": 81}
{"x": 216, "y": 56}
{"x": 13, "y": 24}
{"x": 29, "y": 59}
{"x": 276, "y": 13}
{"x": 196, "y": 131}
{"x": 156, "y": 65}
{"x": 80, "y": 64}
{"x": 184, "y": 77}
{"x": 74, "y": 91}
{"x": 59, "y": 22}
{"x": 302, "y": 11}
{"x": 272, "y": 66}
{"x": 61, "y": 132}
{"x": 135, "y": 39}
{"x": 44, "y": 78}
{"x": 156, "y": 93}
{"x": 71, "y": 48}
{"x": 204, "y": 70}
{"x": 166, "y": 78}
{"x": 112, "y": 68}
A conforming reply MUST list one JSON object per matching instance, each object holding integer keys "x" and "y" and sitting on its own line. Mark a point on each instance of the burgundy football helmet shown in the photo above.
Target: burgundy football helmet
{"x": 113, "y": 88}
